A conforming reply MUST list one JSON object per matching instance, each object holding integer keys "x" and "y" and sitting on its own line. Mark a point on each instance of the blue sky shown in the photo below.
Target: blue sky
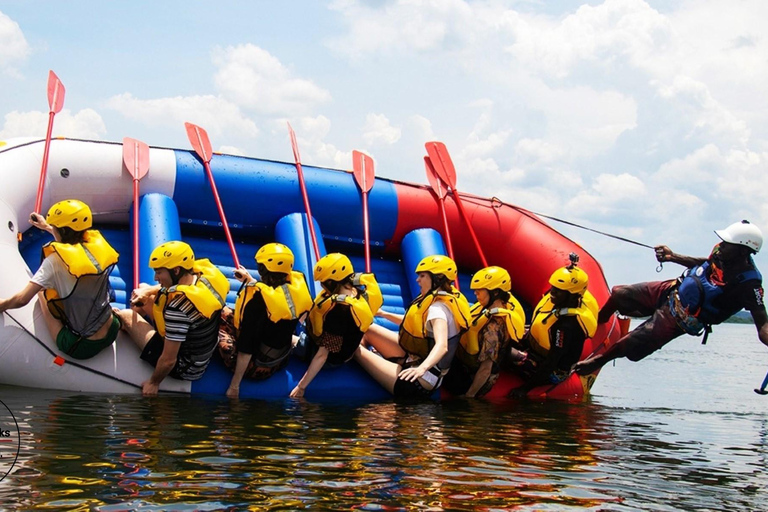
{"x": 644, "y": 119}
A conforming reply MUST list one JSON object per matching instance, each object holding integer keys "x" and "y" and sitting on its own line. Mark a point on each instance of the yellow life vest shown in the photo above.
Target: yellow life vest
{"x": 545, "y": 315}
{"x": 93, "y": 256}
{"x": 208, "y": 294}
{"x": 85, "y": 309}
{"x": 513, "y": 316}
{"x": 363, "y": 307}
{"x": 413, "y": 331}
{"x": 286, "y": 302}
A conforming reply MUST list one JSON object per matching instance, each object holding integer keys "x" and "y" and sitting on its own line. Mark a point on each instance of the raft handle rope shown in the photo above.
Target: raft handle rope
{"x": 78, "y": 365}
{"x": 497, "y": 203}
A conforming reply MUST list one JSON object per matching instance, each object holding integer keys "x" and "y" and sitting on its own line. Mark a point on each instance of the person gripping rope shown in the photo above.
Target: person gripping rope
{"x": 496, "y": 320}
{"x": 265, "y": 317}
{"x": 420, "y": 354}
{"x": 709, "y": 292}
{"x": 341, "y": 314}
{"x": 185, "y": 308}
{"x": 74, "y": 281}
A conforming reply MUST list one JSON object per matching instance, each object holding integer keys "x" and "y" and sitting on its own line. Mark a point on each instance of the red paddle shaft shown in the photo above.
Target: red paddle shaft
{"x": 304, "y": 194}
{"x": 440, "y": 190}
{"x": 136, "y": 160}
{"x": 55, "y": 103}
{"x": 202, "y": 146}
{"x": 363, "y": 171}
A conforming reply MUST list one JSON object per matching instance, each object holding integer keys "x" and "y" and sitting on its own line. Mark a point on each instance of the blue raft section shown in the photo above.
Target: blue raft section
{"x": 263, "y": 204}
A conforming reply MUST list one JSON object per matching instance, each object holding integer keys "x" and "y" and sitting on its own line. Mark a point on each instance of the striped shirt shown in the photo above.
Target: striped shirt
{"x": 198, "y": 337}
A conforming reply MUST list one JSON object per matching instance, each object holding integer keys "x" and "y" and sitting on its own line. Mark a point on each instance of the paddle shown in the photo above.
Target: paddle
{"x": 363, "y": 170}
{"x": 762, "y": 390}
{"x": 444, "y": 168}
{"x": 304, "y": 195}
{"x": 441, "y": 190}
{"x": 202, "y": 146}
{"x": 136, "y": 160}
{"x": 55, "y": 103}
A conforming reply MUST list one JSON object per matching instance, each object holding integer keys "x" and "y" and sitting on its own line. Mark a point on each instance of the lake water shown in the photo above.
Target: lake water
{"x": 682, "y": 430}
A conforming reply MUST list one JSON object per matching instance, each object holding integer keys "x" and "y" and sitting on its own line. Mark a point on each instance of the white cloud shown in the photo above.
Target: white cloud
{"x": 231, "y": 150}
{"x": 420, "y": 25}
{"x": 86, "y": 124}
{"x": 379, "y": 131}
{"x": 253, "y": 78}
{"x": 13, "y": 44}
{"x": 214, "y": 114}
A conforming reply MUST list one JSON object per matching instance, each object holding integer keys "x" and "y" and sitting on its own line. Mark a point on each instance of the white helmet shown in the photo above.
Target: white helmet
{"x": 742, "y": 233}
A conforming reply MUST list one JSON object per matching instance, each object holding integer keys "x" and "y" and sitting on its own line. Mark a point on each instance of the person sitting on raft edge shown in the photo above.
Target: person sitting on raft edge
{"x": 265, "y": 317}
{"x": 496, "y": 320}
{"x": 185, "y": 307}
{"x": 708, "y": 292}
{"x": 74, "y": 278}
{"x": 413, "y": 362}
{"x": 341, "y": 314}
{"x": 561, "y": 322}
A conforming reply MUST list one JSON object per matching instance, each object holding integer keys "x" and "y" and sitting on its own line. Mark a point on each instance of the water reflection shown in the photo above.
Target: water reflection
{"x": 172, "y": 453}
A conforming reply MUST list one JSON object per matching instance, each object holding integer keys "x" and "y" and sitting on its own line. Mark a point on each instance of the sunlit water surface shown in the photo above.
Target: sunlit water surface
{"x": 682, "y": 430}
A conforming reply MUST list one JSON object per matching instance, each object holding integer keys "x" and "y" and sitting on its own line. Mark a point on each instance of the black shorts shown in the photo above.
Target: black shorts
{"x": 154, "y": 349}
{"x": 415, "y": 390}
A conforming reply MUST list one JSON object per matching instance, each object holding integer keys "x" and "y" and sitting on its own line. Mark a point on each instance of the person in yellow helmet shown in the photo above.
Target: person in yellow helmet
{"x": 75, "y": 279}
{"x": 342, "y": 312}
{"x": 561, "y": 322}
{"x": 265, "y": 317}
{"x": 420, "y": 355}
{"x": 496, "y": 320}
{"x": 185, "y": 309}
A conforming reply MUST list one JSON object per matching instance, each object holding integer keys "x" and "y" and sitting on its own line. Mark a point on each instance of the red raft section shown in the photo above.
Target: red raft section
{"x": 522, "y": 244}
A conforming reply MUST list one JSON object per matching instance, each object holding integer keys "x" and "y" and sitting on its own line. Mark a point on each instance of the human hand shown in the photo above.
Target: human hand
{"x": 663, "y": 253}
{"x": 242, "y": 275}
{"x": 148, "y": 388}
{"x": 411, "y": 374}
{"x": 143, "y": 295}
{"x": 297, "y": 392}
{"x": 233, "y": 392}
{"x": 39, "y": 222}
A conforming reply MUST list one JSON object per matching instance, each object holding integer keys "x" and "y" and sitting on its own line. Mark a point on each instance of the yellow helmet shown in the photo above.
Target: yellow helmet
{"x": 70, "y": 213}
{"x": 171, "y": 255}
{"x": 334, "y": 266}
{"x": 276, "y": 257}
{"x": 438, "y": 264}
{"x": 573, "y": 280}
{"x": 491, "y": 278}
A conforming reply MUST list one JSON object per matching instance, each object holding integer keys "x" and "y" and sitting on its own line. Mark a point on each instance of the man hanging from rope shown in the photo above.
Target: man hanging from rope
{"x": 709, "y": 292}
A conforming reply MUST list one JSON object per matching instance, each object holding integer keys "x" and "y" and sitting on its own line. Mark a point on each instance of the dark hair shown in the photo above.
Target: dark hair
{"x": 440, "y": 282}
{"x": 70, "y": 236}
{"x": 272, "y": 279}
{"x": 497, "y": 294}
{"x": 333, "y": 287}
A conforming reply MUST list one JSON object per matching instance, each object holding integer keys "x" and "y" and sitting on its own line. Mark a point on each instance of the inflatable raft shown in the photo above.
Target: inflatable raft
{"x": 263, "y": 203}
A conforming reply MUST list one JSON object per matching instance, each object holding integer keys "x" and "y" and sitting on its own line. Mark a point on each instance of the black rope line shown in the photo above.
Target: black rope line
{"x": 81, "y": 366}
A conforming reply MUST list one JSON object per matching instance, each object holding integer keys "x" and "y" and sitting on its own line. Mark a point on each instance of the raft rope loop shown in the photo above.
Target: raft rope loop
{"x": 78, "y": 365}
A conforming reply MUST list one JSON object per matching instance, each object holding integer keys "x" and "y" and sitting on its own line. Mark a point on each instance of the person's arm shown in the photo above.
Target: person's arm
{"x": 240, "y": 366}
{"x": 144, "y": 295}
{"x": 21, "y": 298}
{"x": 392, "y": 317}
{"x": 665, "y": 254}
{"x": 314, "y": 368}
{"x": 165, "y": 364}
{"x": 480, "y": 378}
{"x": 440, "y": 332}
{"x": 761, "y": 322}
{"x": 39, "y": 222}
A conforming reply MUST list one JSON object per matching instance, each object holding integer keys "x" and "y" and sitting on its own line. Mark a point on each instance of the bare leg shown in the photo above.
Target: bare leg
{"x": 383, "y": 371}
{"x": 137, "y": 328}
{"x": 54, "y": 325}
{"x": 384, "y": 341}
